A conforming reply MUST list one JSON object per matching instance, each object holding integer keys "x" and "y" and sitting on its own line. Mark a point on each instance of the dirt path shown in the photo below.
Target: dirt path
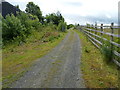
{"x": 60, "y": 68}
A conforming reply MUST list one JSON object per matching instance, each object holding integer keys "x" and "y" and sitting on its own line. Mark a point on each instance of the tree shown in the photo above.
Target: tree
{"x": 70, "y": 26}
{"x": 34, "y": 10}
{"x": 55, "y": 18}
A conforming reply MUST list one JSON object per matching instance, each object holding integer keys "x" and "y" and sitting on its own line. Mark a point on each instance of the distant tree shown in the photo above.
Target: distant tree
{"x": 34, "y": 10}
{"x": 88, "y": 25}
{"x": 70, "y": 26}
{"x": 55, "y": 18}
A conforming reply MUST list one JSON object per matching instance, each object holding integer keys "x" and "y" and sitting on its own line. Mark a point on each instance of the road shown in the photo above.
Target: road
{"x": 60, "y": 68}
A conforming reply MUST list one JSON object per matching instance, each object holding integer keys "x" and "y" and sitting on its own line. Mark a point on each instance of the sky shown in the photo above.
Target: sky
{"x": 77, "y": 11}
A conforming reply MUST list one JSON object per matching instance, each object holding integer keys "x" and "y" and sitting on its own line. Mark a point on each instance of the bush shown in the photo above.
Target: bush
{"x": 12, "y": 27}
{"x": 107, "y": 51}
{"x": 29, "y": 21}
{"x": 62, "y": 26}
{"x": 34, "y": 21}
{"x": 70, "y": 26}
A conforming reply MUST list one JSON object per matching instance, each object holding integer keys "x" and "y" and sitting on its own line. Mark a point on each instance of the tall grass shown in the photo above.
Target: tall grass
{"x": 107, "y": 51}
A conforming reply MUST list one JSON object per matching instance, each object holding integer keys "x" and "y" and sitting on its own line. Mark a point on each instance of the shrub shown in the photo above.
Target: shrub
{"x": 34, "y": 21}
{"x": 29, "y": 21}
{"x": 62, "y": 26}
{"x": 51, "y": 38}
{"x": 70, "y": 26}
{"x": 107, "y": 51}
{"x": 12, "y": 27}
{"x": 86, "y": 49}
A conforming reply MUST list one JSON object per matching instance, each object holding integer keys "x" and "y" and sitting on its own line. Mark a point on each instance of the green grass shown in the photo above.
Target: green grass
{"x": 18, "y": 59}
{"x": 96, "y": 72}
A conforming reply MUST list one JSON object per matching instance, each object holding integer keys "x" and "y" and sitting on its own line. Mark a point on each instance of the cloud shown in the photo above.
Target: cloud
{"x": 90, "y": 19}
{"x": 108, "y": 16}
{"x": 77, "y": 11}
{"x": 73, "y": 4}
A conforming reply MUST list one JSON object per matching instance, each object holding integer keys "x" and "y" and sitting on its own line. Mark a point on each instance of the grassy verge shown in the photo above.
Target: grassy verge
{"x": 96, "y": 72}
{"x": 18, "y": 59}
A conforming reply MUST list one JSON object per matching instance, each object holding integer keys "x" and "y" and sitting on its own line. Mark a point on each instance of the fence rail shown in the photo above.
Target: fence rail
{"x": 115, "y": 35}
{"x": 98, "y": 40}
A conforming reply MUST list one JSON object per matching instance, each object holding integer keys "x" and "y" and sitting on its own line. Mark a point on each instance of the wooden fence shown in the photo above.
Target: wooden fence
{"x": 98, "y": 36}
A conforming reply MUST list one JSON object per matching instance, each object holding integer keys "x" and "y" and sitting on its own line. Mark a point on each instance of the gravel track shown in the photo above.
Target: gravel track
{"x": 60, "y": 68}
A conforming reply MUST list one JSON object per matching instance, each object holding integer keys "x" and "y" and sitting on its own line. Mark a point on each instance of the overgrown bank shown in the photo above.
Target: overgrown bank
{"x": 96, "y": 72}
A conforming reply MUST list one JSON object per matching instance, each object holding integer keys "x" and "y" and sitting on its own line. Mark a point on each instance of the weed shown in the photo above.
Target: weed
{"x": 86, "y": 49}
{"x": 107, "y": 51}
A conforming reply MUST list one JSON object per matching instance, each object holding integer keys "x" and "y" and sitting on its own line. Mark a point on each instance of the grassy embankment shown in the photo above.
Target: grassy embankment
{"x": 96, "y": 72}
{"x": 18, "y": 59}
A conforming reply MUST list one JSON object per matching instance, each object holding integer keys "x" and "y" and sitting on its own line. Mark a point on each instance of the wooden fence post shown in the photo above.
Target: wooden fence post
{"x": 95, "y": 29}
{"x": 112, "y": 32}
{"x": 101, "y": 29}
{"x": 101, "y": 34}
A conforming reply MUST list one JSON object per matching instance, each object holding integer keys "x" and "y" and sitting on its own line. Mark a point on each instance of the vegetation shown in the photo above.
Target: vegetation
{"x": 70, "y": 26}
{"x": 12, "y": 27}
{"x": 107, "y": 51}
{"x": 96, "y": 72}
{"x": 25, "y": 35}
{"x": 54, "y": 18}
{"x": 20, "y": 27}
{"x": 62, "y": 26}
{"x": 33, "y": 9}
